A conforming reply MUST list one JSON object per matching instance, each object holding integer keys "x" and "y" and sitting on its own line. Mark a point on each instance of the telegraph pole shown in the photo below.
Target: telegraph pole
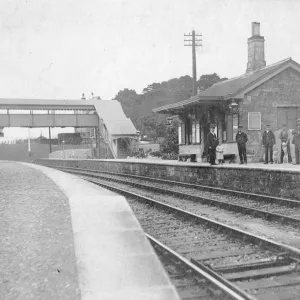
{"x": 196, "y": 42}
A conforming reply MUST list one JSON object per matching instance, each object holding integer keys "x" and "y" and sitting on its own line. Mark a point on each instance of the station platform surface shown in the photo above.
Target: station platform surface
{"x": 277, "y": 167}
{"x": 64, "y": 238}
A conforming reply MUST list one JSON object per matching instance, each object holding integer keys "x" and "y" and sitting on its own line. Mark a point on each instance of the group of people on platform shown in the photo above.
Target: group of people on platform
{"x": 215, "y": 148}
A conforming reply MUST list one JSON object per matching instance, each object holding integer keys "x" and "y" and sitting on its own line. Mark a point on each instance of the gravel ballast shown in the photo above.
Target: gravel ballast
{"x": 283, "y": 233}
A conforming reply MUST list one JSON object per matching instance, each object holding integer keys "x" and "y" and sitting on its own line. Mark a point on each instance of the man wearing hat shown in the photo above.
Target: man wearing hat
{"x": 241, "y": 139}
{"x": 212, "y": 143}
{"x": 296, "y": 142}
{"x": 268, "y": 141}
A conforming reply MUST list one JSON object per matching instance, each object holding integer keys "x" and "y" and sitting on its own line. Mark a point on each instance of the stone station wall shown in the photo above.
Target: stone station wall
{"x": 279, "y": 183}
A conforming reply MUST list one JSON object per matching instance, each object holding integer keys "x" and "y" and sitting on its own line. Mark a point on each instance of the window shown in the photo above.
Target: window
{"x": 181, "y": 134}
{"x": 189, "y": 132}
{"x": 235, "y": 125}
{"x": 287, "y": 116}
{"x": 198, "y": 132}
{"x": 232, "y": 127}
{"x": 254, "y": 121}
{"x": 229, "y": 128}
{"x": 193, "y": 132}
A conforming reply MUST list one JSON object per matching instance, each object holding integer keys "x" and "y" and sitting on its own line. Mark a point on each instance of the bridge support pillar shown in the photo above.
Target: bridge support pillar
{"x": 97, "y": 141}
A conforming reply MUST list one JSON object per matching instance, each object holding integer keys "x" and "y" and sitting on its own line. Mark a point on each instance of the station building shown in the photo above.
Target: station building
{"x": 263, "y": 95}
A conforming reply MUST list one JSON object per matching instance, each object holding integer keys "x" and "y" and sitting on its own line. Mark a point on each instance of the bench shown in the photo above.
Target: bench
{"x": 185, "y": 157}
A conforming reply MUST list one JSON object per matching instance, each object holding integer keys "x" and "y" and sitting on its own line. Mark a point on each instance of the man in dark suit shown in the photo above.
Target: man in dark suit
{"x": 212, "y": 143}
{"x": 241, "y": 140}
{"x": 268, "y": 141}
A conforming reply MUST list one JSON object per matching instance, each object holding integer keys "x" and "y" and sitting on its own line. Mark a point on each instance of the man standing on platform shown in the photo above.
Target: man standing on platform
{"x": 241, "y": 139}
{"x": 284, "y": 138}
{"x": 268, "y": 141}
{"x": 296, "y": 142}
{"x": 212, "y": 143}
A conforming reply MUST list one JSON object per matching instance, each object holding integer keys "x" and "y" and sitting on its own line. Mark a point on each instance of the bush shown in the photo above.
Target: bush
{"x": 170, "y": 156}
{"x": 155, "y": 154}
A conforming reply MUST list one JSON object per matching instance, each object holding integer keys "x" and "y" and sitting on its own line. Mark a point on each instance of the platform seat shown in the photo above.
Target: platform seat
{"x": 185, "y": 157}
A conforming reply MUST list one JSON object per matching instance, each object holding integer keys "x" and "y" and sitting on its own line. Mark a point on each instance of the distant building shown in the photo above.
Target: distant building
{"x": 263, "y": 95}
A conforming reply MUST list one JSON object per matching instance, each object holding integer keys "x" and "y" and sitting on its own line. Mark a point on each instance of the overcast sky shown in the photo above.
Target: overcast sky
{"x": 63, "y": 48}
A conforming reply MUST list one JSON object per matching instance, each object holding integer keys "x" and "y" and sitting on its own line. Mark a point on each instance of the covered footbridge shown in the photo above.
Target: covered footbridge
{"x": 112, "y": 127}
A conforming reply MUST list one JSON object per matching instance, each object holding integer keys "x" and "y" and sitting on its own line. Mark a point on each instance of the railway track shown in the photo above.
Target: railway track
{"x": 194, "y": 282}
{"x": 260, "y": 267}
{"x": 191, "y": 199}
{"x": 284, "y": 211}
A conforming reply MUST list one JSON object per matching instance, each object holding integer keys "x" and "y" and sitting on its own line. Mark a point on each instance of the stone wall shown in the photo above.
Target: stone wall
{"x": 283, "y": 88}
{"x": 280, "y": 183}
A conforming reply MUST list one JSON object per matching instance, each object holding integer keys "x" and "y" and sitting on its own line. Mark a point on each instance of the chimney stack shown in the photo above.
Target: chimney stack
{"x": 256, "y": 49}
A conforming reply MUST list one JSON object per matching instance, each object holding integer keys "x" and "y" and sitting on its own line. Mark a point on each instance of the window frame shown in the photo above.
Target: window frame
{"x": 254, "y": 113}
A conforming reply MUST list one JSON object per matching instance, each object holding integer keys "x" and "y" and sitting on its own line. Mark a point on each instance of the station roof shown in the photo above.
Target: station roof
{"x": 232, "y": 88}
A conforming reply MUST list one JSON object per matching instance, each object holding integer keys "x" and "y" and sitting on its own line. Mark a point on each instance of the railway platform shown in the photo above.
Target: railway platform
{"x": 274, "y": 180}
{"x": 64, "y": 238}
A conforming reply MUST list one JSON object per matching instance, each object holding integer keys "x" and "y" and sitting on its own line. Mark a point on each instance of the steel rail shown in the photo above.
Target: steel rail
{"x": 253, "y": 196}
{"x": 220, "y": 282}
{"x": 204, "y": 200}
{"x": 294, "y": 253}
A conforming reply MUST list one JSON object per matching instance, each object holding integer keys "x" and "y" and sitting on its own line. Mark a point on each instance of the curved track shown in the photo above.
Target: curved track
{"x": 263, "y": 268}
{"x": 281, "y": 210}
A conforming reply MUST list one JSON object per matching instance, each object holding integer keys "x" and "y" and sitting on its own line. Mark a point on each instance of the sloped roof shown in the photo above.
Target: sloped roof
{"x": 120, "y": 127}
{"x": 230, "y": 87}
{"x": 114, "y": 117}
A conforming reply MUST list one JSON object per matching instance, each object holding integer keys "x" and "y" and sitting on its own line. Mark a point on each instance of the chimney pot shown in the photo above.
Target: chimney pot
{"x": 256, "y": 49}
{"x": 255, "y": 29}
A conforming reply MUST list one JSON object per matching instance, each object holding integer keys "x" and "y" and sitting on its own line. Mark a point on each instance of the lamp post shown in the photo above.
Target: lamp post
{"x": 234, "y": 107}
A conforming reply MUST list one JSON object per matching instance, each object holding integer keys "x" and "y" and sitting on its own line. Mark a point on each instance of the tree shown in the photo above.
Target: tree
{"x": 138, "y": 107}
{"x": 129, "y": 100}
{"x": 208, "y": 80}
{"x": 125, "y": 95}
